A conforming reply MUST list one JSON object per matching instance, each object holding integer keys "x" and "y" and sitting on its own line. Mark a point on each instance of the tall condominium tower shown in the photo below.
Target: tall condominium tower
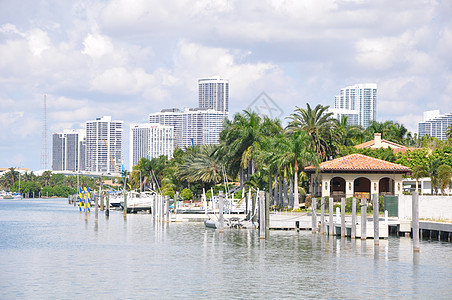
{"x": 192, "y": 126}
{"x": 360, "y": 99}
{"x": 214, "y": 94}
{"x": 435, "y": 125}
{"x": 69, "y": 150}
{"x": 150, "y": 140}
{"x": 104, "y": 145}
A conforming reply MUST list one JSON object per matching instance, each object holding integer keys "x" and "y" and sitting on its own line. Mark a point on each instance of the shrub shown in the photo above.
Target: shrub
{"x": 186, "y": 194}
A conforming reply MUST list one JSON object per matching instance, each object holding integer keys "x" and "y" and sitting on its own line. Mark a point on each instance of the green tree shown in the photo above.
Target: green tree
{"x": 186, "y": 194}
{"x": 295, "y": 154}
{"x": 420, "y": 171}
{"x": 444, "y": 178}
{"x": 318, "y": 124}
{"x": 449, "y": 132}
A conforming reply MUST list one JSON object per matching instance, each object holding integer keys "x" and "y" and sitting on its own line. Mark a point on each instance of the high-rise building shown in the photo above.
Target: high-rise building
{"x": 150, "y": 140}
{"x": 214, "y": 93}
{"x": 435, "y": 125}
{"x": 104, "y": 145}
{"x": 192, "y": 126}
{"x": 68, "y": 150}
{"x": 361, "y": 98}
{"x": 339, "y": 113}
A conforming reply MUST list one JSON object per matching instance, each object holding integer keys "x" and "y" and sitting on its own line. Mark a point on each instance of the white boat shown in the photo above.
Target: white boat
{"x": 10, "y": 196}
{"x": 115, "y": 198}
{"x": 137, "y": 201}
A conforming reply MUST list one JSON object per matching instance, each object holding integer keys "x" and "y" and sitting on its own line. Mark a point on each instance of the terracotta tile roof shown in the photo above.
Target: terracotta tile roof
{"x": 359, "y": 163}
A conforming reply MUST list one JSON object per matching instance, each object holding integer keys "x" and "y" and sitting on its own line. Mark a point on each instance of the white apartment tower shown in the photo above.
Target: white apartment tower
{"x": 214, "y": 93}
{"x": 69, "y": 150}
{"x": 435, "y": 125}
{"x": 150, "y": 140}
{"x": 104, "y": 145}
{"x": 192, "y": 126}
{"x": 360, "y": 100}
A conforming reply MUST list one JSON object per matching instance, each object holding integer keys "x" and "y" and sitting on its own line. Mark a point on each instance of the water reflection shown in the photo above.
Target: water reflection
{"x": 54, "y": 253}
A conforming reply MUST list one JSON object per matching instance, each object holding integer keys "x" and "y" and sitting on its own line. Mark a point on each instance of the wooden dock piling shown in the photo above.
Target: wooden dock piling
{"x": 415, "y": 221}
{"x": 322, "y": 215}
{"x": 220, "y": 208}
{"x": 375, "y": 208}
{"x": 314, "y": 215}
{"x": 261, "y": 204}
{"x": 353, "y": 233}
{"x": 363, "y": 218}
{"x": 343, "y": 229}
{"x": 330, "y": 210}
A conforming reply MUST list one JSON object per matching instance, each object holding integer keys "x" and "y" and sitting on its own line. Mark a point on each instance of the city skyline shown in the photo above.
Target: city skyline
{"x": 130, "y": 58}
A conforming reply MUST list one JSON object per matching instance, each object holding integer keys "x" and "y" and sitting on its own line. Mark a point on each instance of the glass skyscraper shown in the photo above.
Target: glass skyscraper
{"x": 435, "y": 125}
{"x": 358, "y": 100}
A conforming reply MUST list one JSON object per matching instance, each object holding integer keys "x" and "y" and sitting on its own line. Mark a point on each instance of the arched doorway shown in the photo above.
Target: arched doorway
{"x": 337, "y": 188}
{"x": 386, "y": 186}
{"x": 361, "y": 187}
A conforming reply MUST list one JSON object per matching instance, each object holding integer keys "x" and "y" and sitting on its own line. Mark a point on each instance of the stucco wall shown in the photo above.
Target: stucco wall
{"x": 430, "y": 207}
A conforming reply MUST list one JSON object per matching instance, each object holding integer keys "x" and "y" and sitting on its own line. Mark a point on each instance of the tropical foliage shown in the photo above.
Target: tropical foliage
{"x": 256, "y": 152}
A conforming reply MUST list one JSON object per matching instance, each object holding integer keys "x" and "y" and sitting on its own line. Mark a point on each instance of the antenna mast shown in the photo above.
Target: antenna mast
{"x": 44, "y": 149}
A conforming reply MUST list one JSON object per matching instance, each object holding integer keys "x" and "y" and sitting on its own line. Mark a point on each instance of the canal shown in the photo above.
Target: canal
{"x": 48, "y": 250}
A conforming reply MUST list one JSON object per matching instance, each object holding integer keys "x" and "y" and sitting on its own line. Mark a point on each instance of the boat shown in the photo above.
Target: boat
{"x": 233, "y": 222}
{"x": 115, "y": 198}
{"x": 10, "y": 196}
{"x": 139, "y": 201}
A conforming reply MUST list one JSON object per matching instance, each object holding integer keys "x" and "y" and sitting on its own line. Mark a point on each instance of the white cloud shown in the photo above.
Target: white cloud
{"x": 97, "y": 45}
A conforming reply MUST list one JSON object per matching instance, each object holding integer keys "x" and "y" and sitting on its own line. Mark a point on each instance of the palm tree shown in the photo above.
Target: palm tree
{"x": 433, "y": 171}
{"x": 449, "y": 132}
{"x": 10, "y": 178}
{"x": 420, "y": 171}
{"x": 242, "y": 138}
{"x": 46, "y": 175}
{"x": 347, "y": 135}
{"x": 318, "y": 124}
{"x": 444, "y": 178}
{"x": 293, "y": 153}
{"x": 201, "y": 166}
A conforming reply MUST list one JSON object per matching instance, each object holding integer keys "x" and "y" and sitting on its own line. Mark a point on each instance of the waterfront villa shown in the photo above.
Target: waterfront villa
{"x": 356, "y": 175}
{"x": 378, "y": 142}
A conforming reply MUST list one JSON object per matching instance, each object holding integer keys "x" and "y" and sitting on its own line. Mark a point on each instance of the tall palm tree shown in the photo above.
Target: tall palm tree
{"x": 420, "y": 171}
{"x": 444, "y": 178}
{"x": 202, "y": 166}
{"x": 347, "y": 135}
{"x": 433, "y": 171}
{"x": 244, "y": 135}
{"x": 449, "y": 132}
{"x": 295, "y": 154}
{"x": 318, "y": 124}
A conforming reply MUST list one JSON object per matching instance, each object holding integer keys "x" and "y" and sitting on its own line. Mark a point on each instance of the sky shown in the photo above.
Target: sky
{"x": 129, "y": 58}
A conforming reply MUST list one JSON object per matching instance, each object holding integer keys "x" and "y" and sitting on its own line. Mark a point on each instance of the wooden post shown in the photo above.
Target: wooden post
{"x": 330, "y": 202}
{"x": 102, "y": 207}
{"x": 314, "y": 215}
{"x": 343, "y": 217}
{"x": 415, "y": 221}
{"x": 353, "y": 235}
{"x": 167, "y": 209}
{"x": 376, "y": 219}
{"x": 107, "y": 212}
{"x": 363, "y": 218}
{"x": 220, "y": 208}
{"x": 125, "y": 203}
{"x": 267, "y": 213}
{"x": 96, "y": 209}
{"x": 261, "y": 214}
{"x": 322, "y": 215}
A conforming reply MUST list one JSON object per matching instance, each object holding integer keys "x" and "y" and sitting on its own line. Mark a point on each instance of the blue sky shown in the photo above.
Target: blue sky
{"x": 129, "y": 58}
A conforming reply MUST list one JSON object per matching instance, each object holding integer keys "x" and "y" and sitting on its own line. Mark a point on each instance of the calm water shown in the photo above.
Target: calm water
{"x": 48, "y": 250}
